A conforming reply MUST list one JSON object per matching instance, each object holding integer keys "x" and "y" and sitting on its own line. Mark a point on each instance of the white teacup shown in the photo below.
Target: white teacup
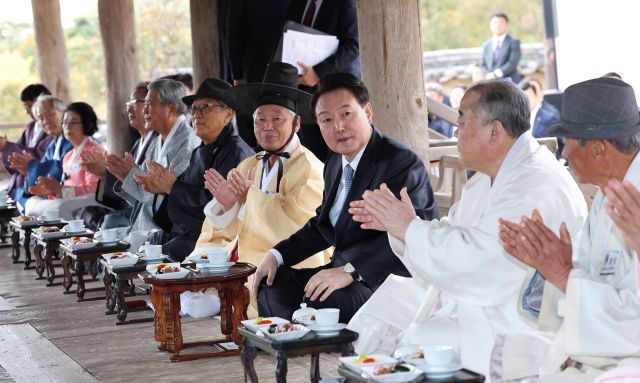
{"x": 436, "y": 356}
{"x": 153, "y": 251}
{"x": 52, "y": 215}
{"x": 216, "y": 255}
{"x": 327, "y": 317}
{"x": 76, "y": 225}
{"x": 110, "y": 235}
{"x": 3, "y": 199}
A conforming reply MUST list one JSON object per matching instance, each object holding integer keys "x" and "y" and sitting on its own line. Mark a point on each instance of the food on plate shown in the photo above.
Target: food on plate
{"x": 204, "y": 256}
{"x": 118, "y": 255}
{"x": 76, "y": 240}
{"x": 48, "y": 229}
{"x": 287, "y": 327}
{"x": 382, "y": 370}
{"x": 364, "y": 359}
{"x": 416, "y": 356}
{"x": 163, "y": 268}
{"x": 261, "y": 321}
{"x": 24, "y": 218}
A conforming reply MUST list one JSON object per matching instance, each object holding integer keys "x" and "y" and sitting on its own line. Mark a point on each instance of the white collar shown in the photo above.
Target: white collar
{"x": 499, "y": 39}
{"x": 634, "y": 167}
{"x": 519, "y": 145}
{"x": 164, "y": 144}
{"x": 356, "y": 160}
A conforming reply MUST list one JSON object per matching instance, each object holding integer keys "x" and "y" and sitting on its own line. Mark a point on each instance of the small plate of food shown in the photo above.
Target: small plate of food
{"x": 50, "y": 232}
{"x": 363, "y": 360}
{"x": 27, "y": 220}
{"x": 168, "y": 270}
{"x": 287, "y": 331}
{"x": 262, "y": 324}
{"x": 79, "y": 243}
{"x": 392, "y": 373}
{"x": 121, "y": 258}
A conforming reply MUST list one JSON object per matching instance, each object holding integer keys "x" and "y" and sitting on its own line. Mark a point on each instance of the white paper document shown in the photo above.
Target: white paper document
{"x": 309, "y": 48}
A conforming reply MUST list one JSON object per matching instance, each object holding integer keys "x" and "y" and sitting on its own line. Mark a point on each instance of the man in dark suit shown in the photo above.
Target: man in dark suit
{"x": 254, "y": 28}
{"x": 543, "y": 114}
{"x": 338, "y": 18}
{"x": 501, "y": 53}
{"x": 362, "y": 159}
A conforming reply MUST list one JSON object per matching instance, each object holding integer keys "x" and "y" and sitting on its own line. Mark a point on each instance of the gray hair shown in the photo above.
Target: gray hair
{"x": 503, "y": 101}
{"x": 626, "y": 145}
{"x": 53, "y": 100}
{"x": 169, "y": 92}
{"x": 293, "y": 114}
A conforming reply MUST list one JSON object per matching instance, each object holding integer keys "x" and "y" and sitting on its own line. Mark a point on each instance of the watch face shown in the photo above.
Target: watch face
{"x": 349, "y": 268}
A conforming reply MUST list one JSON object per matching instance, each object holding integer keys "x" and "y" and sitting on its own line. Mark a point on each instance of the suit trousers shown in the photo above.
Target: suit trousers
{"x": 286, "y": 293}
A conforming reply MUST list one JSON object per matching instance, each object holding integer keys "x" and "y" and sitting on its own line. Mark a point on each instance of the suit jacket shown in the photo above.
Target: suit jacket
{"x": 17, "y": 179}
{"x": 338, "y": 18}
{"x": 383, "y": 161}
{"x": 47, "y": 166}
{"x": 185, "y": 204}
{"x": 254, "y": 28}
{"x": 508, "y": 58}
{"x": 546, "y": 116}
{"x": 178, "y": 152}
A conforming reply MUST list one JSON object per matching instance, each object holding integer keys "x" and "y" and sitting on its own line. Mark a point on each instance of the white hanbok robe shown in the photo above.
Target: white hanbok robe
{"x": 601, "y": 320}
{"x": 465, "y": 287}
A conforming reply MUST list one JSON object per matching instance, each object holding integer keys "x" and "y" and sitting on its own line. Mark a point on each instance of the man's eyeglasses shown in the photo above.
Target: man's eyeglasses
{"x": 204, "y": 108}
{"x": 133, "y": 102}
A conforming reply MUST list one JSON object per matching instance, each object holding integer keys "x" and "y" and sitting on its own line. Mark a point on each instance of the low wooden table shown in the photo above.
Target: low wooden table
{"x": 117, "y": 281}
{"x": 81, "y": 256}
{"x": 27, "y": 227}
{"x": 49, "y": 246}
{"x": 462, "y": 376}
{"x": 234, "y": 300}
{"x": 310, "y": 344}
{"x": 6, "y": 213}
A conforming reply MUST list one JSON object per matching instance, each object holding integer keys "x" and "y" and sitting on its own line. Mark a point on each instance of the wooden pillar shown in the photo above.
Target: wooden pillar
{"x": 117, "y": 27}
{"x": 51, "y": 49}
{"x": 391, "y": 56}
{"x": 204, "y": 40}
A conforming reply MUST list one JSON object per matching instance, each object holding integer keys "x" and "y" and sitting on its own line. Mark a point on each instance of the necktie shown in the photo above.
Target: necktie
{"x": 348, "y": 179}
{"x": 311, "y": 11}
{"x": 496, "y": 52}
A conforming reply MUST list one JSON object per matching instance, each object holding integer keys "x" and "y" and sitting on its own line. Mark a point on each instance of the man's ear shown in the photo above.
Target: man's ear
{"x": 368, "y": 110}
{"x": 598, "y": 147}
{"x": 496, "y": 130}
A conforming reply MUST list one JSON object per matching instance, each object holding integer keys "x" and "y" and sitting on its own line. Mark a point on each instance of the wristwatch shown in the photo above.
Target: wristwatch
{"x": 349, "y": 269}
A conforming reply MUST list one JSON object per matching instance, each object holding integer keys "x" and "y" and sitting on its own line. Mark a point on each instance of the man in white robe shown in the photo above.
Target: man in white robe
{"x": 601, "y": 321}
{"x": 464, "y": 289}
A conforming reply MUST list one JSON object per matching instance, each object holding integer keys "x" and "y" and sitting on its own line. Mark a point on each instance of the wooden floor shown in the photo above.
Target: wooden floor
{"x": 46, "y": 336}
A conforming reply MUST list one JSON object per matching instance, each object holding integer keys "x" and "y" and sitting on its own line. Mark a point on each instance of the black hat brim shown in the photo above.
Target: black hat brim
{"x": 245, "y": 99}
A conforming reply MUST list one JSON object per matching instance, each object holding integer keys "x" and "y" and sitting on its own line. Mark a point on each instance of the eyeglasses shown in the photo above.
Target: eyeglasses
{"x": 71, "y": 122}
{"x": 133, "y": 102}
{"x": 204, "y": 108}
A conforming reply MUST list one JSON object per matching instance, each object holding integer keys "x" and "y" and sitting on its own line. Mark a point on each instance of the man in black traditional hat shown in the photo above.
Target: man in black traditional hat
{"x": 362, "y": 159}
{"x": 271, "y": 195}
{"x": 591, "y": 284}
{"x": 181, "y": 212}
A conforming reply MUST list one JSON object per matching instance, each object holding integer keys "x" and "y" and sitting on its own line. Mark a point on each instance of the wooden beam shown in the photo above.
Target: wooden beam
{"x": 117, "y": 27}
{"x": 205, "y": 40}
{"x": 391, "y": 56}
{"x": 51, "y": 49}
